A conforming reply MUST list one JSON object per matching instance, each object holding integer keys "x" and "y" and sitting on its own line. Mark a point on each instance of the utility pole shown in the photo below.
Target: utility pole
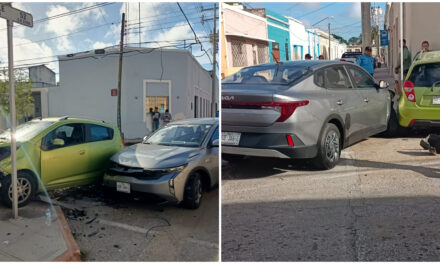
{"x": 329, "y": 37}
{"x": 214, "y": 53}
{"x": 139, "y": 24}
{"x": 13, "y": 15}
{"x": 366, "y": 24}
{"x": 121, "y": 49}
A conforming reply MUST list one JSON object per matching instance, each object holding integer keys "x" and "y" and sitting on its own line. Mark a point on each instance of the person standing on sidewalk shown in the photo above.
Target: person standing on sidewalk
{"x": 425, "y": 48}
{"x": 406, "y": 60}
{"x": 156, "y": 118}
{"x": 166, "y": 118}
{"x": 366, "y": 61}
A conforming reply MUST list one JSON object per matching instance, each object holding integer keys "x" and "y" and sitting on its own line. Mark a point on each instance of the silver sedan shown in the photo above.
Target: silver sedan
{"x": 178, "y": 162}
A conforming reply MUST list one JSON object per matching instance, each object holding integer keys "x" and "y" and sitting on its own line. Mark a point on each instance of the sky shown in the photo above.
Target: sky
{"x": 94, "y": 27}
{"x": 346, "y": 21}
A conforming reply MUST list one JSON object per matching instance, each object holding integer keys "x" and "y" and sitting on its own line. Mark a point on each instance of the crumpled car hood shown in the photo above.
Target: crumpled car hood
{"x": 150, "y": 156}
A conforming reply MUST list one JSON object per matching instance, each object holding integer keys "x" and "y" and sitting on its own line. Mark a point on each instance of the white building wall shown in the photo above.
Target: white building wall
{"x": 86, "y": 83}
{"x": 298, "y": 37}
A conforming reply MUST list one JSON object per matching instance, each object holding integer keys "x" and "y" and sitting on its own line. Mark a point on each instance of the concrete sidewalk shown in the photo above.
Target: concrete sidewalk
{"x": 30, "y": 239}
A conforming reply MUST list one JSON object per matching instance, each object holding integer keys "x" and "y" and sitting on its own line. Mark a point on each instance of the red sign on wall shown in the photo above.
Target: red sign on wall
{"x": 114, "y": 92}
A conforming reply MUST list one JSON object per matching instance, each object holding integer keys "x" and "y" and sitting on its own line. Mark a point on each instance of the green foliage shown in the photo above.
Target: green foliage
{"x": 340, "y": 39}
{"x": 23, "y": 95}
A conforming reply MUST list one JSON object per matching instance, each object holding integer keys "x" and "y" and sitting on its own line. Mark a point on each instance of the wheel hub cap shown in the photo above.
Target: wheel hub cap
{"x": 332, "y": 146}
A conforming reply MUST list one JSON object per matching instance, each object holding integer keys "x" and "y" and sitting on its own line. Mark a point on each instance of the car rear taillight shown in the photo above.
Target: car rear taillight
{"x": 286, "y": 109}
{"x": 290, "y": 140}
{"x": 123, "y": 142}
{"x": 412, "y": 122}
{"x": 343, "y": 60}
{"x": 408, "y": 88}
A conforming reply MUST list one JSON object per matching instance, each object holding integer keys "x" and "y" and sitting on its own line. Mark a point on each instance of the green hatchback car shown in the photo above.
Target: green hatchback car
{"x": 56, "y": 153}
{"x": 419, "y": 104}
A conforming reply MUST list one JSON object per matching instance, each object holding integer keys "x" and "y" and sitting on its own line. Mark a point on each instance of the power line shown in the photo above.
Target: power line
{"x": 67, "y": 13}
{"x": 195, "y": 35}
{"x": 314, "y": 11}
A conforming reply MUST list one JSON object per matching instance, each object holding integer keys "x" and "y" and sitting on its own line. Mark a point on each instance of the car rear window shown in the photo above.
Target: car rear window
{"x": 268, "y": 74}
{"x": 99, "y": 133}
{"x": 351, "y": 55}
{"x": 425, "y": 75}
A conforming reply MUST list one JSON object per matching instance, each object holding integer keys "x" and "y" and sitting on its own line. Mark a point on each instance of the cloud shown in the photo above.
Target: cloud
{"x": 24, "y": 52}
{"x": 310, "y": 5}
{"x": 68, "y": 24}
{"x": 101, "y": 45}
{"x": 354, "y": 11}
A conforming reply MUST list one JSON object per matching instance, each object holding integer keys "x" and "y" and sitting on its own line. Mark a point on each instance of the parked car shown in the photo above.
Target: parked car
{"x": 419, "y": 104}
{"x": 56, "y": 153}
{"x": 177, "y": 162}
{"x": 351, "y": 56}
{"x": 301, "y": 109}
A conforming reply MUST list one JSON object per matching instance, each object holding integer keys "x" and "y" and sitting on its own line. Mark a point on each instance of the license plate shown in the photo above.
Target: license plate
{"x": 231, "y": 138}
{"x": 123, "y": 187}
{"x": 436, "y": 100}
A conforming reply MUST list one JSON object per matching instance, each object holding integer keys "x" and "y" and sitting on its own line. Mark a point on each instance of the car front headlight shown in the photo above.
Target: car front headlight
{"x": 172, "y": 170}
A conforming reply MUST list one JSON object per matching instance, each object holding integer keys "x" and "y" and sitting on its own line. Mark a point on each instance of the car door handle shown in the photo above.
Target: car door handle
{"x": 82, "y": 152}
{"x": 340, "y": 102}
{"x": 366, "y": 100}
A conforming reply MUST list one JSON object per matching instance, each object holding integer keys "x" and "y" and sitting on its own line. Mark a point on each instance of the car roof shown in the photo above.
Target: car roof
{"x": 430, "y": 56}
{"x": 196, "y": 121}
{"x": 312, "y": 64}
{"x": 70, "y": 120}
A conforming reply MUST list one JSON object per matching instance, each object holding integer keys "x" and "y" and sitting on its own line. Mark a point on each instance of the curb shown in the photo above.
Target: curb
{"x": 72, "y": 253}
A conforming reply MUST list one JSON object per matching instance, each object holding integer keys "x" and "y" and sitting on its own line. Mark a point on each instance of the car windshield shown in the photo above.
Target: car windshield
{"x": 268, "y": 74}
{"x": 180, "y": 135}
{"x": 26, "y": 131}
{"x": 425, "y": 75}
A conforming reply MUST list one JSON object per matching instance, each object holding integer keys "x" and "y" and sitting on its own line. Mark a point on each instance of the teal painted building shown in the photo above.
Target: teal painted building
{"x": 278, "y": 33}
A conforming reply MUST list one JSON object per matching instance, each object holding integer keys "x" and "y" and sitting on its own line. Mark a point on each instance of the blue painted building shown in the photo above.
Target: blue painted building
{"x": 278, "y": 33}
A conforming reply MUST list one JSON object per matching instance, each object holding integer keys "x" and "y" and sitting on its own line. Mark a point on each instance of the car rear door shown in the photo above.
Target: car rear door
{"x": 343, "y": 99}
{"x": 375, "y": 101}
{"x": 101, "y": 148}
{"x": 67, "y": 165}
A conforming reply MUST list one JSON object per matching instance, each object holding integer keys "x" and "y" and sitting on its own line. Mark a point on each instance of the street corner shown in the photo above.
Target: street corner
{"x": 43, "y": 238}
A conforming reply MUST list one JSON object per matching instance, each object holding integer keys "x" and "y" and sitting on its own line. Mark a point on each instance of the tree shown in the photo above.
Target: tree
{"x": 23, "y": 94}
{"x": 340, "y": 39}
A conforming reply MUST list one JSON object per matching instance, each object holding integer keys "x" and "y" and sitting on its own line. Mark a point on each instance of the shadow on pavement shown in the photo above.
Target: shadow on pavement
{"x": 369, "y": 229}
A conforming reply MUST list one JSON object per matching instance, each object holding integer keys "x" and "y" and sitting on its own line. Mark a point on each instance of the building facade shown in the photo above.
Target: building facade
{"x": 299, "y": 39}
{"x": 418, "y": 20}
{"x": 279, "y": 34}
{"x": 167, "y": 79}
{"x": 313, "y": 47}
{"x": 244, "y": 39}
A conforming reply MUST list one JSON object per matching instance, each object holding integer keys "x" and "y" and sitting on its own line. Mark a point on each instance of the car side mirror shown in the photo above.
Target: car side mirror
{"x": 383, "y": 84}
{"x": 145, "y": 138}
{"x": 215, "y": 143}
{"x": 58, "y": 142}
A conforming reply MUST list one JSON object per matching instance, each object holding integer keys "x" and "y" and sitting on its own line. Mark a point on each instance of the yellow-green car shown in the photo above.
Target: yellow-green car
{"x": 419, "y": 104}
{"x": 56, "y": 153}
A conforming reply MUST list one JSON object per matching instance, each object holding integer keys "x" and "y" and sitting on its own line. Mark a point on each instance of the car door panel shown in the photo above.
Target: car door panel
{"x": 66, "y": 165}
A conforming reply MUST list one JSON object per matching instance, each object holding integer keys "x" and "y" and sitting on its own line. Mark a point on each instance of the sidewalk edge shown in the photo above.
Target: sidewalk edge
{"x": 72, "y": 253}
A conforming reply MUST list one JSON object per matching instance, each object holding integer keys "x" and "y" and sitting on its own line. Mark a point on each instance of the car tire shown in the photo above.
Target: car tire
{"x": 193, "y": 192}
{"x": 329, "y": 148}
{"x": 27, "y": 188}
{"x": 393, "y": 125}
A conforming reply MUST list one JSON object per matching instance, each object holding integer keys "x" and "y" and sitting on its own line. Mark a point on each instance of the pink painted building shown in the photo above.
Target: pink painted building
{"x": 244, "y": 39}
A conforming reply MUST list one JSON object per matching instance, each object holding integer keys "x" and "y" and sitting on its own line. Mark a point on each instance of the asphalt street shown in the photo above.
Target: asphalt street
{"x": 381, "y": 203}
{"x": 137, "y": 228}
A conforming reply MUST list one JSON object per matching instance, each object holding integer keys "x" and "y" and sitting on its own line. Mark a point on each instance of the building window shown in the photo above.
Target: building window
{"x": 156, "y": 101}
{"x": 254, "y": 54}
{"x": 263, "y": 55}
{"x": 238, "y": 53}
